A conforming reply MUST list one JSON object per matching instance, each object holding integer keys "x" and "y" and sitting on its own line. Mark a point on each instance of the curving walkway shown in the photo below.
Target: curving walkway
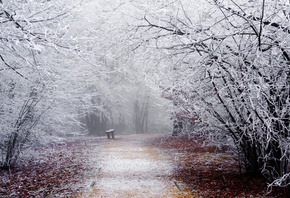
{"x": 129, "y": 168}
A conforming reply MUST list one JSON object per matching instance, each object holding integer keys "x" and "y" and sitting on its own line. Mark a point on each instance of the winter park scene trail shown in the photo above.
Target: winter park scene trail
{"x": 212, "y": 76}
{"x": 130, "y": 168}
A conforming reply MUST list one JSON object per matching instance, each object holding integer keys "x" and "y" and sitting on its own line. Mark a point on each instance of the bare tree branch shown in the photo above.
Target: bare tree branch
{"x": 1, "y": 57}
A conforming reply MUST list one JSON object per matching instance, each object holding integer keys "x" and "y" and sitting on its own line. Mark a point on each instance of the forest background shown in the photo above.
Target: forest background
{"x": 218, "y": 69}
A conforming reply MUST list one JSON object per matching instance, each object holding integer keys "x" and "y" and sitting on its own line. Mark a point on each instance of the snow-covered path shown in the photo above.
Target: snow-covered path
{"x": 129, "y": 168}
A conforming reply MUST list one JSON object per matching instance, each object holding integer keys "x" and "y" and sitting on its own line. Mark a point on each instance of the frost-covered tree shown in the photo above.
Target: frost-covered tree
{"x": 234, "y": 62}
{"x": 34, "y": 54}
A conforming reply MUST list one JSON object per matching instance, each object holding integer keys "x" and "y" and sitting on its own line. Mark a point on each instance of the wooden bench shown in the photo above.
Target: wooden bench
{"x": 110, "y": 133}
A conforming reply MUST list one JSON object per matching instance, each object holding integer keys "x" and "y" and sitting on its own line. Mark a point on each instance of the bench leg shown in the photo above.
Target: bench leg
{"x": 113, "y": 135}
{"x": 108, "y": 135}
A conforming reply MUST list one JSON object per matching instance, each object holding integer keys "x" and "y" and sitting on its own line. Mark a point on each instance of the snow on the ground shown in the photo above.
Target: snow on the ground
{"x": 128, "y": 168}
